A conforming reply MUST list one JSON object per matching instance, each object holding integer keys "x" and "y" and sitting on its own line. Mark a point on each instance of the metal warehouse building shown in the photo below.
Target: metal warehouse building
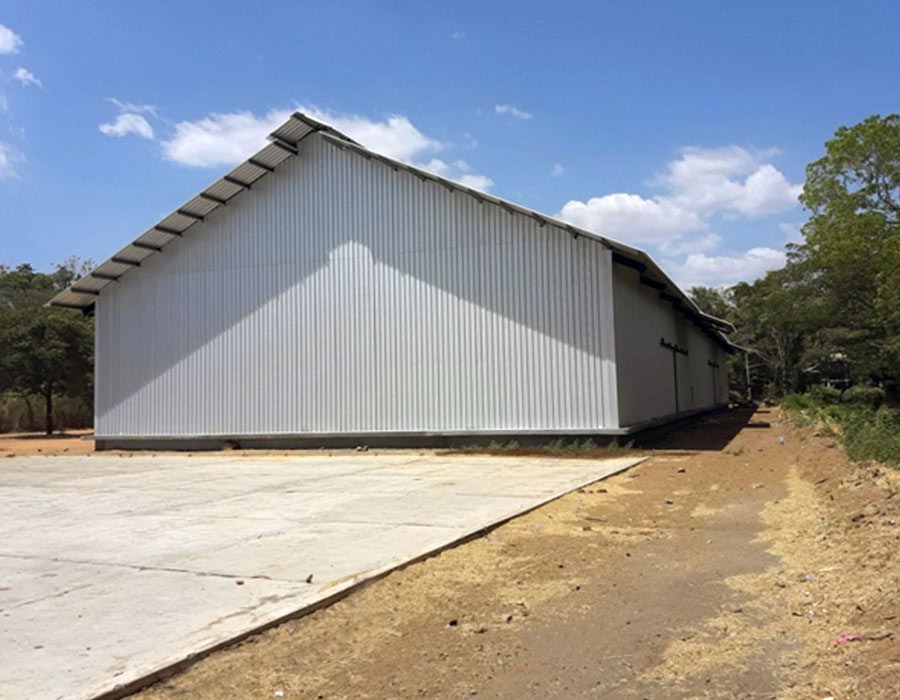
{"x": 320, "y": 290}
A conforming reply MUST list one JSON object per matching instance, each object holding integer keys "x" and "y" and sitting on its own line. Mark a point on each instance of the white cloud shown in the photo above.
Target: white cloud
{"x": 558, "y": 170}
{"x": 512, "y": 111}
{"x": 476, "y": 182}
{"x": 699, "y": 268}
{"x": 709, "y": 180}
{"x": 8, "y": 158}
{"x": 135, "y": 108}
{"x": 460, "y": 171}
{"x": 26, "y": 77}
{"x": 221, "y": 139}
{"x": 227, "y": 139}
{"x": 458, "y": 35}
{"x": 9, "y": 40}
{"x": 128, "y": 123}
{"x": 702, "y": 183}
{"x": 630, "y": 217}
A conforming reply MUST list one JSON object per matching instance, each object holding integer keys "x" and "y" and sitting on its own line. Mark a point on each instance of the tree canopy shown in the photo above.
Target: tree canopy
{"x": 833, "y": 312}
{"x": 46, "y": 353}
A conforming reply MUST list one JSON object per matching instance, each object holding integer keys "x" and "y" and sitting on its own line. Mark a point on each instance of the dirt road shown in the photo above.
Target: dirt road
{"x": 725, "y": 566}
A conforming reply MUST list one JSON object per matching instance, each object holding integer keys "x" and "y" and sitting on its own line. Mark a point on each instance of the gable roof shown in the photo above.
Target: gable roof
{"x": 283, "y": 144}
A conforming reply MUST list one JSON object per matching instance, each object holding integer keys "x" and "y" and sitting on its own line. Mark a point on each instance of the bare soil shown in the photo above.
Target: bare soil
{"x": 12, "y": 444}
{"x": 727, "y": 565}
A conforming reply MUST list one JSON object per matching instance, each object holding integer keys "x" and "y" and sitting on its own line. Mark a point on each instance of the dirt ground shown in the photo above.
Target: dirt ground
{"x": 727, "y": 565}
{"x": 12, "y": 444}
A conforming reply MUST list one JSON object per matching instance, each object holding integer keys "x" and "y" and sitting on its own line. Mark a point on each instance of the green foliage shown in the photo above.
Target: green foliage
{"x": 798, "y": 402}
{"x": 46, "y": 355}
{"x": 832, "y": 314}
{"x": 871, "y": 434}
{"x": 868, "y": 395}
{"x": 865, "y": 432}
{"x": 825, "y": 394}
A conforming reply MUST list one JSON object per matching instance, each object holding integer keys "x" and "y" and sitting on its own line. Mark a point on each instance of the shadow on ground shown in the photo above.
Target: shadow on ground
{"x": 709, "y": 432}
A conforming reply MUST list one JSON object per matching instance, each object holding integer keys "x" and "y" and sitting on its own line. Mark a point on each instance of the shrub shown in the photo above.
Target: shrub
{"x": 798, "y": 402}
{"x": 825, "y": 394}
{"x": 866, "y": 395}
{"x": 872, "y": 435}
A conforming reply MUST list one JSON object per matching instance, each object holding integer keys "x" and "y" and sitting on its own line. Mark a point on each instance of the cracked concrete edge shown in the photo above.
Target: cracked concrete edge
{"x": 344, "y": 589}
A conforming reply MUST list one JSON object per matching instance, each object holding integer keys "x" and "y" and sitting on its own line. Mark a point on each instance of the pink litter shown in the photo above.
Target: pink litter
{"x": 844, "y": 638}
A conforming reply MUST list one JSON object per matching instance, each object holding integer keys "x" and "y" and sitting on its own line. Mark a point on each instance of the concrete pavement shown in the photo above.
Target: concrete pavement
{"x": 114, "y": 567}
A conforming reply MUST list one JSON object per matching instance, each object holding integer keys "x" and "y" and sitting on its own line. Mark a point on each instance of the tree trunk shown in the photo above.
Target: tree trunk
{"x": 48, "y": 396}
{"x": 31, "y": 426}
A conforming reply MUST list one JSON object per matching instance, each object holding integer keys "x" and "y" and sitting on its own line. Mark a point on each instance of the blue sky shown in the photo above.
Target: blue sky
{"x": 680, "y": 127}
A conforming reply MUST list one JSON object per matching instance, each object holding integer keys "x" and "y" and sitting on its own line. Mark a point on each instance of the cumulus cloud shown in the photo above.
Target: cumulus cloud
{"x": 722, "y": 270}
{"x": 9, "y": 40}
{"x": 128, "y": 123}
{"x": 512, "y": 111}
{"x": 701, "y": 187}
{"x": 9, "y": 156}
{"x": 630, "y": 217}
{"x": 26, "y": 77}
{"x": 710, "y": 179}
{"x": 702, "y": 183}
{"x": 227, "y": 139}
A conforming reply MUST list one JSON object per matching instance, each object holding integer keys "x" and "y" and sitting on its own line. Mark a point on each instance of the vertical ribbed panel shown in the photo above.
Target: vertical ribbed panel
{"x": 646, "y": 376}
{"x": 342, "y": 296}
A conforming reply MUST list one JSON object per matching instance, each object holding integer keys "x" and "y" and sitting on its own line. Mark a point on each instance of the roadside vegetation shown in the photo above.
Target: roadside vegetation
{"x": 46, "y": 355}
{"x": 561, "y": 447}
{"x": 868, "y": 431}
{"x": 824, "y": 331}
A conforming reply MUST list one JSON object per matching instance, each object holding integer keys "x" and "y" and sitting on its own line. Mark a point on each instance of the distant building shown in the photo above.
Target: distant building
{"x": 320, "y": 290}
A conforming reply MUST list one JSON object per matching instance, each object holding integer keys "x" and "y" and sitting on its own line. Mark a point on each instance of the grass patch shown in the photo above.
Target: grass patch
{"x": 584, "y": 449}
{"x": 866, "y": 433}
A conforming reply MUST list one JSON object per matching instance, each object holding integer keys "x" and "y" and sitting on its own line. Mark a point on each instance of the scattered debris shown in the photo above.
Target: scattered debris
{"x": 781, "y": 439}
{"x": 239, "y": 582}
{"x": 362, "y": 448}
{"x": 844, "y": 638}
{"x": 309, "y": 578}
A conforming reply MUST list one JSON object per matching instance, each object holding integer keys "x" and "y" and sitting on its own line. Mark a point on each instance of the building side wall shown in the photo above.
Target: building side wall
{"x": 646, "y": 373}
{"x": 340, "y": 296}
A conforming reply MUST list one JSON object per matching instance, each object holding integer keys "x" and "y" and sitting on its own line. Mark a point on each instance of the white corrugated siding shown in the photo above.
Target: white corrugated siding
{"x": 343, "y": 296}
{"x": 646, "y": 376}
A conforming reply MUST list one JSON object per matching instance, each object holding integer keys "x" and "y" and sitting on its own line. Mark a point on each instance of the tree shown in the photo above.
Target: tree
{"x": 852, "y": 246}
{"x": 46, "y": 352}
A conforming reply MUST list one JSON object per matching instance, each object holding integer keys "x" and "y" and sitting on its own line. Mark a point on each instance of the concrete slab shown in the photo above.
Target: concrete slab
{"x": 115, "y": 567}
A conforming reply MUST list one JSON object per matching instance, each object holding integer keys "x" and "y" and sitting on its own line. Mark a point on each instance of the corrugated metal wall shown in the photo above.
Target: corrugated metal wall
{"x": 341, "y": 296}
{"x": 646, "y": 376}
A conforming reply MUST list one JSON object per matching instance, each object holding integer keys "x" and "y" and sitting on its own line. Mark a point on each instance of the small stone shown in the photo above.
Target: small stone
{"x": 239, "y": 582}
